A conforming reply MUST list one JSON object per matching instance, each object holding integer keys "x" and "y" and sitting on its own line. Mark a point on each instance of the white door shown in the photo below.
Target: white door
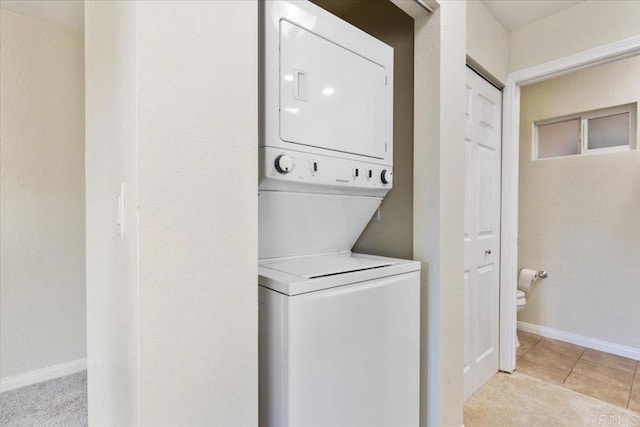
{"x": 482, "y": 231}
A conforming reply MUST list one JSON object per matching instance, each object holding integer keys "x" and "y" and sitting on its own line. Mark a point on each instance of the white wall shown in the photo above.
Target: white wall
{"x": 440, "y": 53}
{"x": 583, "y": 26}
{"x": 438, "y": 187}
{"x": 172, "y": 110}
{"x": 42, "y": 292}
{"x": 198, "y": 145}
{"x": 579, "y": 215}
{"x": 487, "y": 40}
{"x": 112, "y": 263}
{"x": 197, "y": 265}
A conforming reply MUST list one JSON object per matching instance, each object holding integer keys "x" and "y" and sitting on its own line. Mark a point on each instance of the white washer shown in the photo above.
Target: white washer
{"x": 339, "y": 332}
{"x": 339, "y": 341}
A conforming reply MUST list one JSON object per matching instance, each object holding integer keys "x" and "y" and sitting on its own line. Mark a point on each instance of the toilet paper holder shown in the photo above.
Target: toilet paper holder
{"x": 542, "y": 274}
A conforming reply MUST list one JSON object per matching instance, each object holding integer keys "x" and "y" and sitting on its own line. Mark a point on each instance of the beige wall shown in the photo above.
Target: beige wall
{"x": 583, "y": 26}
{"x": 487, "y": 40}
{"x": 578, "y": 215}
{"x": 42, "y": 291}
{"x": 392, "y": 235}
{"x": 112, "y": 273}
{"x": 173, "y": 325}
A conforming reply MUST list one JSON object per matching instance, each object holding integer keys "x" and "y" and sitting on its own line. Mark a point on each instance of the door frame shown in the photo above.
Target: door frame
{"x": 510, "y": 169}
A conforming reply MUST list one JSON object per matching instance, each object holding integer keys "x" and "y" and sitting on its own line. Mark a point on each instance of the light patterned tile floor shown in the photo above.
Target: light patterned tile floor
{"x": 605, "y": 376}
{"x": 634, "y": 398}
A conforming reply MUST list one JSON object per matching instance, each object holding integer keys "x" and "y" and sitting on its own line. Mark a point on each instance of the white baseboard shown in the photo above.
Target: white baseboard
{"x": 582, "y": 341}
{"x": 44, "y": 374}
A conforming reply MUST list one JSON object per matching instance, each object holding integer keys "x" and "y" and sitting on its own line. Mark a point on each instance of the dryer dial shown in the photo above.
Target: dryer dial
{"x": 284, "y": 164}
{"x": 386, "y": 177}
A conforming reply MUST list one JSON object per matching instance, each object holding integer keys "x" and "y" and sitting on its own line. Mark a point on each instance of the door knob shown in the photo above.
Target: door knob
{"x": 487, "y": 252}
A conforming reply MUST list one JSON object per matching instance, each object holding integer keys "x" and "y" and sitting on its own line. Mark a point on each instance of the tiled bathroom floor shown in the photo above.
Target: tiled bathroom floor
{"x": 607, "y": 377}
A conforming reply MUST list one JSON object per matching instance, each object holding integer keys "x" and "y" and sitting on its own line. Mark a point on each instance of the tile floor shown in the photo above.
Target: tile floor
{"x": 607, "y": 377}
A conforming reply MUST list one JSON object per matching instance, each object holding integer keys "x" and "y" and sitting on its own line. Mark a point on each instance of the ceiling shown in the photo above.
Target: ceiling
{"x": 338, "y": 7}
{"x": 69, "y": 13}
{"x": 513, "y": 14}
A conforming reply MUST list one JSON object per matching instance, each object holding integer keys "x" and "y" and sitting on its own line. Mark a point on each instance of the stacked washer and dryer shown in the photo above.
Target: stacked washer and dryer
{"x": 339, "y": 331}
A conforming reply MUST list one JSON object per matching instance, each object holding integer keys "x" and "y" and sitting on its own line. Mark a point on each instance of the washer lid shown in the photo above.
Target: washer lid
{"x": 326, "y": 265}
{"x": 299, "y": 275}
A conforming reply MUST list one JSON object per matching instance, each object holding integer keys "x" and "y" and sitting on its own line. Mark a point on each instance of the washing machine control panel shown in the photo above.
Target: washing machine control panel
{"x": 316, "y": 169}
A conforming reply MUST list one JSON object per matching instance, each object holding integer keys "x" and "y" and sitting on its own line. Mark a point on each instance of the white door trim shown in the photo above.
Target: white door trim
{"x": 510, "y": 164}
{"x": 582, "y": 341}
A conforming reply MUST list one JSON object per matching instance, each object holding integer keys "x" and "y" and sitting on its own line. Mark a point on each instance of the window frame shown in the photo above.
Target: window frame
{"x": 583, "y": 136}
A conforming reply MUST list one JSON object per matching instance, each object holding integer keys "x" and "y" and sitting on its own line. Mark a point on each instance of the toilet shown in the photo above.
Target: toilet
{"x": 521, "y": 302}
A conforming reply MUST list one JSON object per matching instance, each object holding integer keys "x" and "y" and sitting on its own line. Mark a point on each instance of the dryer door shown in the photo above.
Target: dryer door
{"x": 330, "y": 97}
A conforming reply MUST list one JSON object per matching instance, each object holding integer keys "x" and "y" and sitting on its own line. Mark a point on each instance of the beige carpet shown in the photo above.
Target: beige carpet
{"x": 518, "y": 400}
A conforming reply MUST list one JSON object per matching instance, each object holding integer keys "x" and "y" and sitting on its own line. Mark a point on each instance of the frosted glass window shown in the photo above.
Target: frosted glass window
{"x": 559, "y": 139}
{"x": 608, "y": 131}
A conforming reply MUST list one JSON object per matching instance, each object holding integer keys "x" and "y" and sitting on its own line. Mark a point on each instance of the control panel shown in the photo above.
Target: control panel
{"x": 307, "y": 168}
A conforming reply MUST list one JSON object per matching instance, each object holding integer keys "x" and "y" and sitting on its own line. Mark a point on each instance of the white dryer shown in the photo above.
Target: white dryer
{"x": 339, "y": 331}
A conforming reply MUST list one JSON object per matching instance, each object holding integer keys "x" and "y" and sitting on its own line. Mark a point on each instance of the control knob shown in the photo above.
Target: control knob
{"x": 284, "y": 164}
{"x": 386, "y": 177}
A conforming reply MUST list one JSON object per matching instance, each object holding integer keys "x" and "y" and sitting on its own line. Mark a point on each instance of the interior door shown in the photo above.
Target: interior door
{"x": 483, "y": 144}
